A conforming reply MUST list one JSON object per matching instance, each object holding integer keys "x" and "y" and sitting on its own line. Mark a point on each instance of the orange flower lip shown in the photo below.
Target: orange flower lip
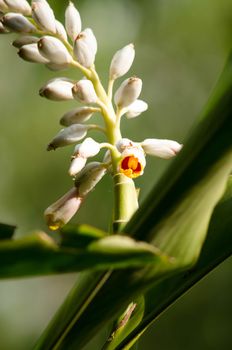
{"x": 131, "y": 167}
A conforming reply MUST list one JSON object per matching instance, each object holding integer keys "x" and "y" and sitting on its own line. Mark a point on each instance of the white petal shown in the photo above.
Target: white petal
{"x": 72, "y": 21}
{"x": 88, "y": 148}
{"x": 77, "y": 165}
{"x": 161, "y": 148}
{"x": 68, "y": 136}
{"x": 122, "y": 61}
{"x": 128, "y": 92}
{"x": 136, "y": 108}
{"x": 43, "y": 15}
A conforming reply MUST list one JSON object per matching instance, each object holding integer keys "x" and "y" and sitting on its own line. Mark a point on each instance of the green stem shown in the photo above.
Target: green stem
{"x": 126, "y": 201}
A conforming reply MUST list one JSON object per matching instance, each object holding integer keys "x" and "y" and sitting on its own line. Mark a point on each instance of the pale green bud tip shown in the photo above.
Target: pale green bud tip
{"x": 72, "y": 21}
{"x": 88, "y": 178}
{"x": 20, "y": 6}
{"x": 61, "y": 212}
{"x": 128, "y": 92}
{"x": 57, "y": 90}
{"x": 16, "y": 22}
{"x": 68, "y": 136}
{"x": 43, "y": 15}
{"x": 161, "y": 148}
{"x": 84, "y": 91}
{"x": 122, "y": 61}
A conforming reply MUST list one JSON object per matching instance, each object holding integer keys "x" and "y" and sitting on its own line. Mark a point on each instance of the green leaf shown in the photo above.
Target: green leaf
{"x": 174, "y": 218}
{"x": 80, "y": 236}
{"x": 6, "y": 231}
{"x": 129, "y": 320}
{"x": 217, "y": 247}
{"x": 39, "y": 254}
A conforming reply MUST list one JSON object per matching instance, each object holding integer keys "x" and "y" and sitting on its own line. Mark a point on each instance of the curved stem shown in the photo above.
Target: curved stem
{"x": 110, "y": 89}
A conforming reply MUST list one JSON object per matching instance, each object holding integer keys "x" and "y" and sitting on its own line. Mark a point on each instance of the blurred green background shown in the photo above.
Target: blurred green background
{"x": 181, "y": 46}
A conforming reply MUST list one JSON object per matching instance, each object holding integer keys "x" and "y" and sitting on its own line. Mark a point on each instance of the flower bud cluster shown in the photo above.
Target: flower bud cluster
{"x": 52, "y": 47}
{"x": 43, "y": 39}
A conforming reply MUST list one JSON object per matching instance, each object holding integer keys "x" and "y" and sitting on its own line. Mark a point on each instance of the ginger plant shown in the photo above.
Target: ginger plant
{"x": 44, "y": 40}
{"x": 174, "y": 220}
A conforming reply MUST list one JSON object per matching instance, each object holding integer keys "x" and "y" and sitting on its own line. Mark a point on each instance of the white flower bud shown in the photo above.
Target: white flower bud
{"x": 91, "y": 39}
{"x": 60, "y": 30}
{"x": 122, "y": 61}
{"x": 25, "y": 40}
{"x": 54, "y": 50}
{"x": 59, "y": 213}
{"x": 77, "y": 165}
{"x": 72, "y": 21}
{"x": 3, "y": 6}
{"x": 77, "y": 116}
{"x": 136, "y": 108}
{"x": 84, "y": 91}
{"x": 43, "y": 15}
{"x": 85, "y": 48}
{"x": 88, "y": 178}
{"x": 31, "y": 53}
{"x": 20, "y": 6}
{"x": 128, "y": 92}
{"x": 68, "y": 136}
{"x": 57, "y": 90}
{"x": 17, "y": 23}
{"x": 132, "y": 162}
{"x": 161, "y": 148}
{"x": 88, "y": 148}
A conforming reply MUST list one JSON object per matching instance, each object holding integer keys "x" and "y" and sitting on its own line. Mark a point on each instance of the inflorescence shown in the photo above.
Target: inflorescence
{"x": 43, "y": 39}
